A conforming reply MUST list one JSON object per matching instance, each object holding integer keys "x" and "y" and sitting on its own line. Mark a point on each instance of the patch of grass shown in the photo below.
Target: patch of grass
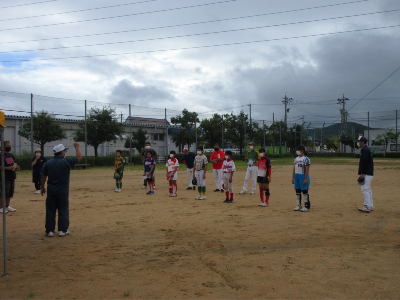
{"x": 31, "y": 294}
{"x": 24, "y": 185}
{"x": 127, "y": 294}
{"x": 228, "y": 267}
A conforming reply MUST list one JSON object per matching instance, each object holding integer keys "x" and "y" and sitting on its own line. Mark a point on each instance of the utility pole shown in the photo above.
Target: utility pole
{"x": 223, "y": 148}
{"x": 121, "y": 117}
{"x": 280, "y": 137}
{"x": 301, "y": 130}
{"x": 86, "y": 133}
{"x": 322, "y": 141}
{"x": 264, "y": 130}
{"x": 343, "y": 117}
{"x": 130, "y": 135}
{"x": 273, "y": 122}
{"x": 31, "y": 129}
{"x": 368, "y": 130}
{"x": 195, "y": 126}
{"x": 286, "y": 101}
{"x": 396, "y": 131}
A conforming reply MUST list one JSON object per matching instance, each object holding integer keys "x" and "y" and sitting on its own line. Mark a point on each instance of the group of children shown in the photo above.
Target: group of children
{"x": 300, "y": 176}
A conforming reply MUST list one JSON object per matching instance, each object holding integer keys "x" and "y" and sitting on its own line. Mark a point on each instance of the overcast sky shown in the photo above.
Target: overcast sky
{"x": 259, "y": 67}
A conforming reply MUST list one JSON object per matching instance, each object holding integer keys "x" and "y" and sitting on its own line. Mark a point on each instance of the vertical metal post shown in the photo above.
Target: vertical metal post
{"x": 264, "y": 133}
{"x": 354, "y": 140}
{"x": 166, "y": 136}
{"x": 245, "y": 137}
{"x": 85, "y": 133}
{"x": 273, "y": 122}
{"x": 130, "y": 135}
{"x": 368, "y": 130}
{"x": 3, "y": 195}
{"x": 315, "y": 148}
{"x": 280, "y": 137}
{"x": 396, "y": 131}
{"x": 31, "y": 130}
{"x": 195, "y": 127}
{"x": 295, "y": 132}
{"x": 223, "y": 147}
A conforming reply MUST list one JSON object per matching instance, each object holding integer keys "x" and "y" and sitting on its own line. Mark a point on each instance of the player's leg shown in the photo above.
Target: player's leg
{"x": 231, "y": 190}
{"x": 366, "y": 190}
{"x": 51, "y": 208}
{"x": 199, "y": 178}
{"x": 254, "y": 179}
{"x": 63, "y": 213}
{"x": 117, "y": 184}
{"x": 226, "y": 185}
{"x": 246, "y": 180}
{"x": 261, "y": 188}
{"x": 221, "y": 179}
{"x": 175, "y": 184}
{"x": 266, "y": 190}
{"x": 304, "y": 189}
{"x": 189, "y": 173}
{"x": 297, "y": 187}
{"x": 215, "y": 172}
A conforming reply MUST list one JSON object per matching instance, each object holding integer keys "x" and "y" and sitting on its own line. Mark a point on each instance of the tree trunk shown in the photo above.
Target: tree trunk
{"x": 95, "y": 150}
{"x": 42, "y": 148}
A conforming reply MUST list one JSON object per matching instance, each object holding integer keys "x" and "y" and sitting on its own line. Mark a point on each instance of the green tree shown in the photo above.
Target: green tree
{"x": 332, "y": 143}
{"x": 259, "y": 133}
{"x": 348, "y": 140}
{"x": 236, "y": 127}
{"x": 212, "y": 130}
{"x": 102, "y": 126}
{"x": 45, "y": 129}
{"x": 386, "y": 138}
{"x": 186, "y": 136}
{"x": 139, "y": 139}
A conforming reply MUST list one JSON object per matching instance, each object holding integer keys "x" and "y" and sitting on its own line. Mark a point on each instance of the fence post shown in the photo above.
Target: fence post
{"x": 223, "y": 147}
{"x": 368, "y": 130}
{"x": 396, "y": 131}
{"x": 32, "y": 130}
{"x": 130, "y": 135}
{"x": 85, "y": 133}
{"x": 273, "y": 122}
{"x": 280, "y": 137}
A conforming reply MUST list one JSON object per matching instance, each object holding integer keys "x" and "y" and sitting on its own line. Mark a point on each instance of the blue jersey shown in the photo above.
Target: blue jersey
{"x": 148, "y": 163}
{"x": 300, "y": 164}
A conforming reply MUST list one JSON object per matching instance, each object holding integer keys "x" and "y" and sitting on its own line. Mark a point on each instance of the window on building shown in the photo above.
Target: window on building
{"x": 159, "y": 136}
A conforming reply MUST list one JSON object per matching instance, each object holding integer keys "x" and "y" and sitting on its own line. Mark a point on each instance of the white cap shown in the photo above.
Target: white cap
{"x": 59, "y": 148}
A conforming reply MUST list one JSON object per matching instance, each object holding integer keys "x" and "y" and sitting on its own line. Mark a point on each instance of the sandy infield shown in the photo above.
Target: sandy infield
{"x": 131, "y": 245}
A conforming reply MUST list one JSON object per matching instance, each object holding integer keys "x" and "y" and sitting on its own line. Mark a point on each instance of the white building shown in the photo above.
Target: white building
{"x": 159, "y": 133}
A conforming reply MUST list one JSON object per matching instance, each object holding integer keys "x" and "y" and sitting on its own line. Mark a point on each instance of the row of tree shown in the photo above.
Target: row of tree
{"x": 102, "y": 126}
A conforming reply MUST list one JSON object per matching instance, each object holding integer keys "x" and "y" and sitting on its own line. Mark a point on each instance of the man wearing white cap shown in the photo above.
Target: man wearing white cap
{"x": 188, "y": 160}
{"x": 58, "y": 170}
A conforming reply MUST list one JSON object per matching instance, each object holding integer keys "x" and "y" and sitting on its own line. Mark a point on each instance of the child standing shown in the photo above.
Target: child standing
{"x": 264, "y": 176}
{"x": 118, "y": 169}
{"x": 149, "y": 165}
{"x": 228, "y": 168}
{"x": 301, "y": 179}
{"x": 200, "y": 173}
{"x": 172, "y": 175}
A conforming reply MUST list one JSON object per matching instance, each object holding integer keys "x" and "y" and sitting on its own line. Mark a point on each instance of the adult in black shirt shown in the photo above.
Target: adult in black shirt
{"x": 9, "y": 166}
{"x": 366, "y": 172}
{"x": 154, "y": 155}
{"x": 37, "y": 162}
{"x": 188, "y": 160}
{"x": 57, "y": 170}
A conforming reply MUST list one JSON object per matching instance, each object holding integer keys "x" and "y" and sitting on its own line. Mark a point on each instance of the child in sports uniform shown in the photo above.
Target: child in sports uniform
{"x": 118, "y": 169}
{"x": 200, "y": 173}
{"x": 228, "y": 168}
{"x": 172, "y": 173}
{"x": 301, "y": 178}
{"x": 149, "y": 165}
{"x": 264, "y": 176}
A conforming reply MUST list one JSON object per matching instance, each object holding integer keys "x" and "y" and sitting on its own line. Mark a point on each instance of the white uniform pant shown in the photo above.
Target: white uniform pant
{"x": 190, "y": 176}
{"x": 228, "y": 186}
{"x": 199, "y": 178}
{"x": 367, "y": 192}
{"x": 218, "y": 178}
{"x": 251, "y": 172}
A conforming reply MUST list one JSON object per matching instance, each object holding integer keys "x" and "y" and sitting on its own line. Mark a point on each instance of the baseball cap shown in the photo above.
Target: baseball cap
{"x": 362, "y": 139}
{"x": 252, "y": 143}
{"x": 185, "y": 149}
{"x": 38, "y": 150}
{"x": 59, "y": 148}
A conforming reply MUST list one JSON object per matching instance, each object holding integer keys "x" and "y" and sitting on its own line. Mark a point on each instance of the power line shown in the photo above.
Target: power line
{"x": 122, "y": 16}
{"x": 181, "y": 25}
{"x": 198, "y": 34}
{"x": 81, "y": 10}
{"x": 27, "y": 4}
{"x": 199, "y": 47}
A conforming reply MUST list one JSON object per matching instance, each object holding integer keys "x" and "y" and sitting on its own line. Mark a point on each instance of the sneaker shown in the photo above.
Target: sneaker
{"x": 143, "y": 187}
{"x": 37, "y": 192}
{"x": 252, "y": 192}
{"x": 198, "y": 197}
{"x": 9, "y": 208}
{"x": 230, "y": 201}
{"x": 194, "y": 188}
{"x": 226, "y": 200}
{"x": 189, "y": 188}
{"x": 261, "y": 203}
{"x": 203, "y": 198}
{"x": 148, "y": 193}
{"x": 1, "y": 210}
{"x": 297, "y": 208}
{"x": 63, "y": 233}
{"x": 172, "y": 195}
{"x": 50, "y": 234}
{"x": 117, "y": 190}
{"x": 216, "y": 190}
{"x": 222, "y": 191}
{"x": 152, "y": 193}
{"x": 264, "y": 204}
{"x": 242, "y": 192}
{"x": 364, "y": 209}
{"x": 304, "y": 209}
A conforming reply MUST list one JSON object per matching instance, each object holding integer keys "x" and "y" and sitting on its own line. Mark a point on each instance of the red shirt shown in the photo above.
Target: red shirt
{"x": 216, "y": 155}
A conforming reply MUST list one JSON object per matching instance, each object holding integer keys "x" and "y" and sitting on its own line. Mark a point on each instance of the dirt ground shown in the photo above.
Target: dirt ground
{"x": 134, "y": 246}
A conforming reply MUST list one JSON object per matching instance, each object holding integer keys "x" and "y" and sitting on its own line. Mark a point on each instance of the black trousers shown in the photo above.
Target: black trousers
{"x": 36, "y": 179}
{"x": 54, "y": 202}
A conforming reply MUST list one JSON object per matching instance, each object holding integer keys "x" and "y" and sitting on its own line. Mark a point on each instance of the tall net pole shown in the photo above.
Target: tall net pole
{"x": 130, "y": 135}
{"x": 3, "y": 195}
{"x": 31, "y": 128}
{"x": 85, "y": 133}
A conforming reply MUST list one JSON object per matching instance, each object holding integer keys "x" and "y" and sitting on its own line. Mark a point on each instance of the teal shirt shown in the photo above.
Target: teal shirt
{"x": 252, "y": 156}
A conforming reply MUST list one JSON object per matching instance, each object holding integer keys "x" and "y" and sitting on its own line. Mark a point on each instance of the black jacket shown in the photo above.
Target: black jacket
{"x": 366, "y": 165}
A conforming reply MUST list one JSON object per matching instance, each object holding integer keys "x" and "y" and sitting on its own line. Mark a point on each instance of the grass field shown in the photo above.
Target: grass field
{"x": 134, "y": 246}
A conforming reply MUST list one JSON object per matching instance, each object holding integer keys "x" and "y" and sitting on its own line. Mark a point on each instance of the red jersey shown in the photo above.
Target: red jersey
{"x": 216, "y": 155}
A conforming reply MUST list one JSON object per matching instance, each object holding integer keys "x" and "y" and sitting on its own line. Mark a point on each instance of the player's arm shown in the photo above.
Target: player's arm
{"x": 294, "y": 167}
{"x": 205, "y": 171}
{"x": 42, "y": 183}
{"x": 306, "y": 174}
{"x": 152, "y": 168}
{"x": 222, "y": 158}
{"x": 230, "y": 178}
